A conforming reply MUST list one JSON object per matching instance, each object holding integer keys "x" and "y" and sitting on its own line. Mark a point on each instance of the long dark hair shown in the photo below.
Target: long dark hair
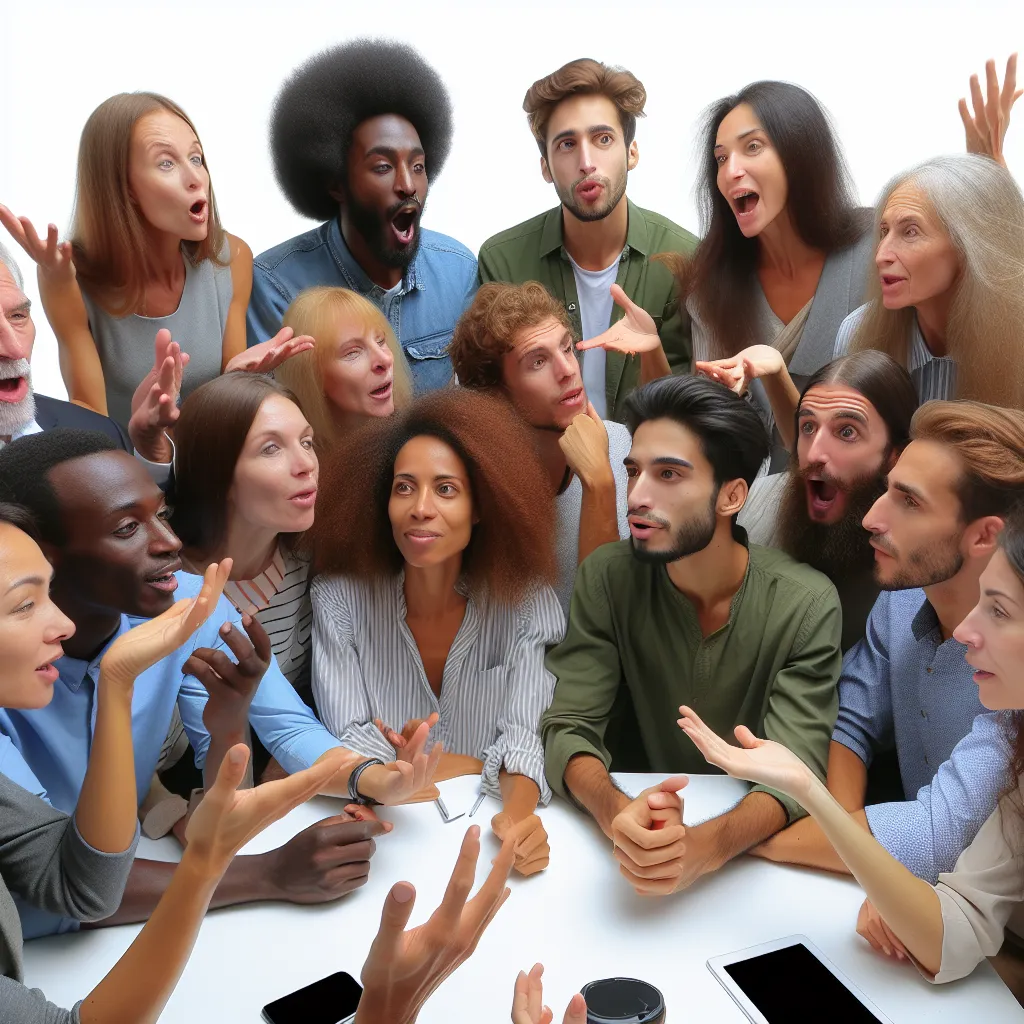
{"x": 720, "y": 276}
{"x": 208, "y": 439}
{"x": 882, "y": 381}
{"x": 1011, "y": 541}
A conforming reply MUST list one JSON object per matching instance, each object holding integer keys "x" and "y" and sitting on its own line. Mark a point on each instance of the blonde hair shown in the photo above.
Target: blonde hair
{"x": 981, "y": 209}
{"x": 111, "y": 248}
{"x": 318, "y": 312}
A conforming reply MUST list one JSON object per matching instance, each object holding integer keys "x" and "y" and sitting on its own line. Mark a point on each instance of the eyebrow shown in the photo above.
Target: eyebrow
{"x": 661, "y": 460}
{"x": 742, "y": 135}
{"x": 21, "y": 307}
{"x": 839, "y": 414}
{"x": 571, "y": 133}
{"x": 566, "y": 336}
{"x": 999, "y": 593}
{"x": 438, "y": 477}
{"x": 29, "y": 581}
{"x": 391, "y": 153}
{"x": 907, "y": 489}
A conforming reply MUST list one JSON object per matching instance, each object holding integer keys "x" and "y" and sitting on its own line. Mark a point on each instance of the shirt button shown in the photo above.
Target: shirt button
{"x": 929, "y": 670}
{"x": 924, "y": 714}
{"x": 572, "y": 307}
{"x": 926, "y": 759}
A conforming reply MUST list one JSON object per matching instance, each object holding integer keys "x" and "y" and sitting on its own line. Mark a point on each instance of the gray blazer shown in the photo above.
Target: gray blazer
{"x": 47, "y": 863}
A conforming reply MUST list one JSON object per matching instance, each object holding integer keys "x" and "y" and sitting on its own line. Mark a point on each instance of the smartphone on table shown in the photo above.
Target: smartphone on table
{"x": 331, "y": 1000}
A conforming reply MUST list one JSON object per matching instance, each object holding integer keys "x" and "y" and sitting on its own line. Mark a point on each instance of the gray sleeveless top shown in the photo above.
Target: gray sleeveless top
{"x": 125, "y": 344}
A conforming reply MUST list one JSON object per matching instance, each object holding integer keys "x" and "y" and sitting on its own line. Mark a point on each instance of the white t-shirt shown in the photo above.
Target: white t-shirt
{"x": 593, "y": 289}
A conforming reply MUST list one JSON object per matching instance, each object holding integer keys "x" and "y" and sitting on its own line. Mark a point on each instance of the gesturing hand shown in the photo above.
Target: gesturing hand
{"x": 736, "y": 372}
{"x": 883, "y": 940}
{"x": 528, "y": 1002}
{"x": 412, "y": 740}
{"x": 326, "y": 860}
{"x": 231, "y": 685}
{"x": 52, "y": 257}
{"x": 267, "y": 356}
{"x": 584, "y": 444}
{"x": 155, "y": 401}
{"x": 227, "y": 818}
{"x": 142, "y": 647}
{"x": 529, "y": 841}
{"x": 762, "y": 761}
{"x": 986, "y": 130}
{"x": 635, "y": 332}
{"x": 404, "y": 968}
{"x": 405, "y": 781}
{"x": 650, "y": 842}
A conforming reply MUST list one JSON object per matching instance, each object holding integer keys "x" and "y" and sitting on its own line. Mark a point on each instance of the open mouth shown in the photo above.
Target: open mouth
{"x": 383, "y": 393}
{"x": 588, "y": 191}
{"x": 888, "y": 280}
{"x": 304, "y": 499}
{"x": 821, "y": 497}
{"x": 165, "y": 580}
{"x": 641, "y": 529}
{"x": 197, "y": 211}
{"x": 404, "y": 224}
{"x": 13, "y": 389}
{"x": 745, "y": 203}
{"x": 570, "y": 398}
{"x": 48, "y": 670}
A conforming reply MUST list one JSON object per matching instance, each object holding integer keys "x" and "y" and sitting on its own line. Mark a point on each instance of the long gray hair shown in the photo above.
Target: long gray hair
{"x": 981, "y": 209}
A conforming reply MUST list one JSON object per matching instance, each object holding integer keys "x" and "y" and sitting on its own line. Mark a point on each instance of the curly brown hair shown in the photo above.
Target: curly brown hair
{"x": 585, "y": 77}
{"x": 512, "y": 548}
{"x": 487, "y": 330}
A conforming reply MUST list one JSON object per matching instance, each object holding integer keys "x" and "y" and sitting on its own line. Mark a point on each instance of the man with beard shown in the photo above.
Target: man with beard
{"x": 356, "y": 133}
{"x": 596, "y": 246}
{"x": 686, "y": 612}
{"x": 852, "y": 422}
{"x": 906, "y": 686}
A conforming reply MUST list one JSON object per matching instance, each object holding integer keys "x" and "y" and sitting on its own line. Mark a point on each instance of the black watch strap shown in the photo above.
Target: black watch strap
{"x": 353, "y": 781}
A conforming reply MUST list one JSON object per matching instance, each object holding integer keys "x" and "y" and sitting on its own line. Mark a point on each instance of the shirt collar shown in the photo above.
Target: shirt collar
{"x": 638, "y": 236}
{"x": 73, "y": 671}
{"x": 355, "y": 277}
{"x": 24, "y": 430}
{"x": 925, "y": 624}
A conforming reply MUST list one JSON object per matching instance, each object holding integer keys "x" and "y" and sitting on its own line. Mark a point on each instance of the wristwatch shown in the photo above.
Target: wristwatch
{"x": 353, "y": 781}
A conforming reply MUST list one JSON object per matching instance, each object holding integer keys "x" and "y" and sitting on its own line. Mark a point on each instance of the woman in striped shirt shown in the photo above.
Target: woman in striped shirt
{"x": 433, "y": 600}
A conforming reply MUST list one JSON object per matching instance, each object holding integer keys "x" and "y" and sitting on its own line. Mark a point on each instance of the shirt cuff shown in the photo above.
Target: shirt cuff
{"x": 557, "y": 755}
{"x": 794, "y": 812}
{"x": 304, "y": 753}
{"x": 515, "y": 761}
{"x": 853, "y": 743}
{"x": 159, "y": 471}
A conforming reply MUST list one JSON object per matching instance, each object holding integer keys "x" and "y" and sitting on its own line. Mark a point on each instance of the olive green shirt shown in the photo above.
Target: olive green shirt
{"x": 533, "y": 251}
{"x": 772, "y": 667}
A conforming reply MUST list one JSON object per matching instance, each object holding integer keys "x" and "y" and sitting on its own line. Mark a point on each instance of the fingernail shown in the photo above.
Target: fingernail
{"x": 403, "y": 892}
{"x": 236, "y": 756}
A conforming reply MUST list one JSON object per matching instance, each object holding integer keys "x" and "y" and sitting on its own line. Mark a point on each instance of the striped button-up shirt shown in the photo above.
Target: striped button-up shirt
{"x": 494, "y": 688}
{"x": 934, "y": 377}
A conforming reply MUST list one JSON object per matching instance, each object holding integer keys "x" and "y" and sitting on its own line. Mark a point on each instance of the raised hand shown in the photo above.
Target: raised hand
{"x": 231, "y": 684}
{"x": 871, "y": 927}
{"x": 404, "y": 967}
{"x": 584, "y": 444}
{"x": 227, "y": 818}
{"x": 649, "y": 841}
{"x": 142, "y": 647}
{"x": 736, "y": 372}
{"x": 986, "y": 130}
{"x": 155, "y": 402}
{"x": 328, "y": 859}
{"x": 762, "y": 761}
{"x": 528, "y": 1001}
{"x": 529, "y": 841}
{"x": 412, "y": 740}
{"x": 267, "y": 356}
{"x": 405, "y": 780}
{"x": 52, "y": 257}
{"x": 635, "y": 332}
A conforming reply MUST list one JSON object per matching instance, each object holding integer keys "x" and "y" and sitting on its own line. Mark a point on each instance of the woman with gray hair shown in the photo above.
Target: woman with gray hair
{"x": 947, "y": 301}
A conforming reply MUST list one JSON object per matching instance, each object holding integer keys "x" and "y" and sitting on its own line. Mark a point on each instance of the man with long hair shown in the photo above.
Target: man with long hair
{"x": 596, "y": 245}
{"x": 358, "y": 132}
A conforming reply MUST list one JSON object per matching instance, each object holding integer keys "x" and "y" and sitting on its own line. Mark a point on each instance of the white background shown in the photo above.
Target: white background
{"x": 890, "y": 74}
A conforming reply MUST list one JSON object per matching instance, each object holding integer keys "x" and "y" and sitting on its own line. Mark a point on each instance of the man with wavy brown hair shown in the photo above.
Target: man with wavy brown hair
{"x": 595, "y": 247}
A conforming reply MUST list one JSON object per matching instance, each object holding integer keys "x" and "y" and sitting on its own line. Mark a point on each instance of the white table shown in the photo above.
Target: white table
{"x": 579, "y": 917}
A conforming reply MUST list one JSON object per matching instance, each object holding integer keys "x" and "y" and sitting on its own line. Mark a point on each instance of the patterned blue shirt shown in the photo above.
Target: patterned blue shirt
{"x": 422, "y": 308}
{"x": 903, "y": 687}
{"x": 46, "y": 750}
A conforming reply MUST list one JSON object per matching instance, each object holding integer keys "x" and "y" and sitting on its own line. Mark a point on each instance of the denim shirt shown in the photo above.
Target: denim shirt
{"x": 436, "y": 289}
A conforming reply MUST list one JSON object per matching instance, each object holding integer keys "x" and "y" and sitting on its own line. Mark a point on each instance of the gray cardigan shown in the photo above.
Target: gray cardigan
{"x": 48, "y": 864}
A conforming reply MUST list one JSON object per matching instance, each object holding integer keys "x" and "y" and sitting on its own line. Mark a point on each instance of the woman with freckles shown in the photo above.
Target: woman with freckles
{"x": 147, "y": 257}
{"x": 435, "y": 554}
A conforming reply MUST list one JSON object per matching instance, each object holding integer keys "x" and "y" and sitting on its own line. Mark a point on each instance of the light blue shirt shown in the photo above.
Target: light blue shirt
{"x": 903, "y": 687}
{"x": 434, "y": 292}
{"x": 46, "y": 750}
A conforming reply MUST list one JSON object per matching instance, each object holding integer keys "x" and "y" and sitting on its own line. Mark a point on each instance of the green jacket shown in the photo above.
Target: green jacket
{"x": 533, "y": 251}
{"x": 772, "y": 667}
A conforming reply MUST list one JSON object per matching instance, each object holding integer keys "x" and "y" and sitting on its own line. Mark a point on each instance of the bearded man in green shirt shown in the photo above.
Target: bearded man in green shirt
{"x": 596, "y": 245}
{"x": 685, "y": 612}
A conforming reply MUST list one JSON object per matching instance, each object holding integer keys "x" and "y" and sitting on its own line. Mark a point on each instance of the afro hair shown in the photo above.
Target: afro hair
{"x": 328, "y": 97}
{"x": 26, "y": 463}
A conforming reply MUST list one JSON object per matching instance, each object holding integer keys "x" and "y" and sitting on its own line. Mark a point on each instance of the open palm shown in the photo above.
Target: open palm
{"x": 736, "y": 372}
{"x": 635, "y": 332}
{"x": 762, "y": 761}
{"x": 52, "y": 257}
{"x": 142, "y": 647}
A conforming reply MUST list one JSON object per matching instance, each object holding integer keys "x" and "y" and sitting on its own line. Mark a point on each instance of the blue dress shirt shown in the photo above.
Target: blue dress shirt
{"x": 46, "y": 750}
{"x": 422, "y": 309}
{"x": 903, "y": 687}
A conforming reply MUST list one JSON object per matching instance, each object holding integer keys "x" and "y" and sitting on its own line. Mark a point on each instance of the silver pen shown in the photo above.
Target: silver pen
{"x": 476, "y": 803}
{"x": 443, "y": 811}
